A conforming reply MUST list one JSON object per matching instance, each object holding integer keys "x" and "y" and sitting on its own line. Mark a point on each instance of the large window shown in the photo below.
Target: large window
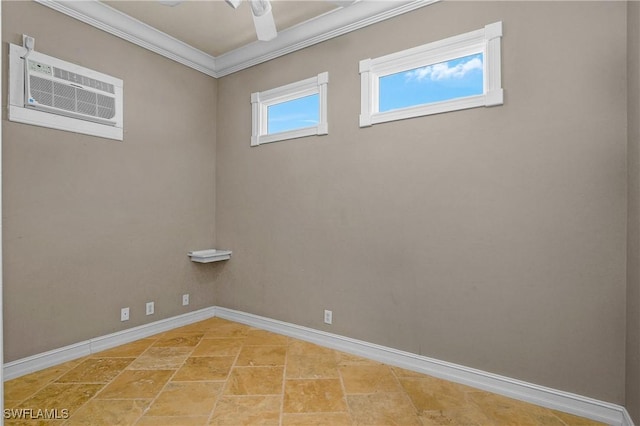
{"x": 292, "y": 111}
{"x": 447, "y": 75}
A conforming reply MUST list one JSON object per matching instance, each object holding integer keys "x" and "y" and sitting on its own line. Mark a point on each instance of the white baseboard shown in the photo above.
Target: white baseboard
{"x": 594, "y": 409}
{"x": 626, "y": 418}
{"x": 43, "y": 360}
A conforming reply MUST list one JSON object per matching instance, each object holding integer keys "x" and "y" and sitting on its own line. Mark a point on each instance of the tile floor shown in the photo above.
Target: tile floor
{"x": 217, "y": 372}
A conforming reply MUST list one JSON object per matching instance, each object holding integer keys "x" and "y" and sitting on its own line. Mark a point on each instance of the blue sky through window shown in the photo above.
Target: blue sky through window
{"x": 295, "y": 114}
{"x": 453, "y": 79}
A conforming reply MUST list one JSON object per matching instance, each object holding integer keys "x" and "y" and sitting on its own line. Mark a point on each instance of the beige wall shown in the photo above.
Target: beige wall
{"x": 493, "y": 238}
{"x": 633, "y": 224}
{"x": 92, "y": 225}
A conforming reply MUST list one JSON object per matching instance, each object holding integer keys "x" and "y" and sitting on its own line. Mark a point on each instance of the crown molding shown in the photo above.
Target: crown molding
{"x": 121, "y": 25}
{"x": 324, "y": 27}
{"x": 316, "y": 30}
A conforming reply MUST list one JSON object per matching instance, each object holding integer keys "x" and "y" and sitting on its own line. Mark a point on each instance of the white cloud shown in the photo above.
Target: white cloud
{"x": 292, "y": 117}
{"x": 442, "y": 71}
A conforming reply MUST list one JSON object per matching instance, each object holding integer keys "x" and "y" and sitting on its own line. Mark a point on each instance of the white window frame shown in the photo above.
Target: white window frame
{"x": 485, "y": 41}
{"x": 261, "y": 101}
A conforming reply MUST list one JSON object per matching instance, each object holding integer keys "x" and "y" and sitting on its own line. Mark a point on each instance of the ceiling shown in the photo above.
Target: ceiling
{"x": 213, "y": 26}
{"x": 212, "y": 37}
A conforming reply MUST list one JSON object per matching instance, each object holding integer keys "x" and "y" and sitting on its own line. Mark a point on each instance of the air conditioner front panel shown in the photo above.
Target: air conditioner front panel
{"x": 45, "y": 93}
{"x": 50, "y": 92}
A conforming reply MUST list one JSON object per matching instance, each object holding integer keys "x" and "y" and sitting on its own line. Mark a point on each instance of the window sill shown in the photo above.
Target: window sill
{"x": 490, "y": 99}
{"x": 292, "y": 134}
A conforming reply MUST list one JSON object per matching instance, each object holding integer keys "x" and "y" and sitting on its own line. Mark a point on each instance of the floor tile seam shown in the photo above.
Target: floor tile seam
{"x": 180, "y": 330}
{"x": 147, "y": 350}
{"x": 94, "y": 397}
{"x": 17, "y": 402}
{"x": 317, "y": 412}
{"x": 479, "y": 406}
{"x": 174, "y": 346}
{"x": 101, "y": 389}
{"x": 210, "y": 356}
{"x": 115, "y": 357}
{"x": 224, "y": 386}
{"x": 250, "y": 394}
{"x": 312, "y": 378}
{"x": 344, "y": 394}
{"x": 252, "y": 344}
{"x": 51, "y": 381}
{"x": 259, "y": 366}
{"x": 406, "y": 394}
{"x": 284, "y": 382}
{"x": 164, "y": 368}
{"x": 347, "y": 411}
{"x": 223, "y": 338}
{"x": 78, "y": 383}
{"x": 98, "y": 354}
{"x": 21, "y": 404}
{"x": 20, "y": 401}
{"x": 375, "y": 393}
{"x": 161, "y": 390}
{"x": 122, "y": 399}
{"x": 555, "y": 416}
{"x": 561, "y": 421}
{"x": 183, "y": 416}
{"x": 114, "y": 399}
{"x": 532, "y": 417}
{"x": 401, "y": 393}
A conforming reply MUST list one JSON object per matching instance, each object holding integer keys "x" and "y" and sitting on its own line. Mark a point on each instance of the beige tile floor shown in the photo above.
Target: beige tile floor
{"x": 217, "y": 372}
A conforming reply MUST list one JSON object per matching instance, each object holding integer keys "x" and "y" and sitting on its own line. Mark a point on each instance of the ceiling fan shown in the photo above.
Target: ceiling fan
{"x": 262, "y": 18}
{"x": 261, "y": 12}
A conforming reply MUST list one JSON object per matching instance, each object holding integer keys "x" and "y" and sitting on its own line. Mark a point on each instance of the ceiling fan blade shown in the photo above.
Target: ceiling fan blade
{"x": 233, "y": 3}
{"x": 263, "y": 20}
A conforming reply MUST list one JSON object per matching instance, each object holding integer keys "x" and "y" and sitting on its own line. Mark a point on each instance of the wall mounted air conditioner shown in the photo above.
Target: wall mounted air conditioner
{"x": 47, "y": 91}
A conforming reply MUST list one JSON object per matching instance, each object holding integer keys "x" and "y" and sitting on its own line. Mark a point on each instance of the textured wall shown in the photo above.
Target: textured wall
{"x": 493, "y": 238}
{"x": 633, "y": 225}
{"x": 92, "y": 225}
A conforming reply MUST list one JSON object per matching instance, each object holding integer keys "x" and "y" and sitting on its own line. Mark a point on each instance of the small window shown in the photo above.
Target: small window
{"x": 457, "y": 78}
{"x": 448, "y": 75}
{"x": 292, "y": 111}
{"x": 295, "y": 114}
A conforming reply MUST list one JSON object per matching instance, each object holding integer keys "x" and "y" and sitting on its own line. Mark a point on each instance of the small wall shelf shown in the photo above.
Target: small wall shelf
{"x": 210, "y": 255}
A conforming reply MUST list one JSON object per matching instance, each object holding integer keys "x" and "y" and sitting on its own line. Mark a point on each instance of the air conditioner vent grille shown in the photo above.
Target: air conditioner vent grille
{"x": 64, "y": 97}
{"x": 69, "y": 98}
{"x": 42, "y": 89}
{"x": 83, "y": 80}
{"x": 106, "y": 106}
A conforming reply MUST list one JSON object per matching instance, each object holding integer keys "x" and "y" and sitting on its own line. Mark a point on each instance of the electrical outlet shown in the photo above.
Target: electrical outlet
{"x": 328, "y": 316}
{"x": 124, "y": 314}
{"x": 185, "y": 299}
{"x": 150, "y": 308}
